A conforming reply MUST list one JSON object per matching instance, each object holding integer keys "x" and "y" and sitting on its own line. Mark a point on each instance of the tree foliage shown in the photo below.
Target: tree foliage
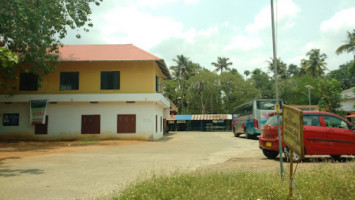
{"x": 222, "y": 64}
{"x": 33, "y": 30}
{"x": 198, "y": 90}
{"x": 315, "y": 65}
{"x": 330, "y": 92}
{"x": 349, "y": 45}
{"x": 281, "y": 67}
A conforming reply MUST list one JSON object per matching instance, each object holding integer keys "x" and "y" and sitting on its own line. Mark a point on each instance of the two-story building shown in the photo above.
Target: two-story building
{"x": 100, "y": 91}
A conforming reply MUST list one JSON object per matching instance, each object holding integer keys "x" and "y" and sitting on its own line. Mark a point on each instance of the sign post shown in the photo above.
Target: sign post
{"x": 292, "y": 125}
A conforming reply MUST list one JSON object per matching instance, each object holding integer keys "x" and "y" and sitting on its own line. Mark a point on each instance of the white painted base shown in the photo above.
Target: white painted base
{"x": 64, "y": 120}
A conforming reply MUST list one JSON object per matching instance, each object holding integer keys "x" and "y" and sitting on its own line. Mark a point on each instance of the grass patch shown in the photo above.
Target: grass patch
{"x": 89, "y": 140}
{"x": 323, "y": 182}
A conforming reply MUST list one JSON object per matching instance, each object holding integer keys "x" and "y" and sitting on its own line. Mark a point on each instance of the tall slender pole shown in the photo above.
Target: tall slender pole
{"x": 277, "y": 89}
{"x": 309, "y": 99}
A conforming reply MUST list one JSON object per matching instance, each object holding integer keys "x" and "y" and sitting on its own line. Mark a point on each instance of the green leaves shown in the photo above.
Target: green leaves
{"x": 33, "y": 29}
{"x": 330, "y": 92}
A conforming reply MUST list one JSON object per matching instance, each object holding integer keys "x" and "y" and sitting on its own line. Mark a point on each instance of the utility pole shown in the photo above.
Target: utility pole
{"x": 277, "y": 88}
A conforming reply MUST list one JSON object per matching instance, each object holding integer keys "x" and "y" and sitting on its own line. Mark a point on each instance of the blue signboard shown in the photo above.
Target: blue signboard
{"x": 10, "y": 119}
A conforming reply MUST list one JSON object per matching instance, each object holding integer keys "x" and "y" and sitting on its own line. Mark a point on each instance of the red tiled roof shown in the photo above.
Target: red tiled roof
{"x": 114, "y": 52}
{"x": 109, "y": 52}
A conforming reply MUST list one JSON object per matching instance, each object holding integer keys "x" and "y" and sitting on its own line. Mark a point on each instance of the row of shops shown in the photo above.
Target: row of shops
{"x": 207, "y": 122}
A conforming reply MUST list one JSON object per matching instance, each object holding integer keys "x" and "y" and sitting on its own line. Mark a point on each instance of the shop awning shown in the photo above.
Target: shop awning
{"x": 171, "y": 118}
{"x": 211, "y": 117}
{"x": 183, "y": 117}
{"x": 200, "y": 117}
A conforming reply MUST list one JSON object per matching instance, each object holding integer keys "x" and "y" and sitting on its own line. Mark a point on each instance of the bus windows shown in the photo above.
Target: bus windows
{"x": 267, "y": 104}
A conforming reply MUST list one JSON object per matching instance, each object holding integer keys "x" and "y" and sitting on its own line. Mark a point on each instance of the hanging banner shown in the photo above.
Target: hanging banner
{"x": 38, "y": 111}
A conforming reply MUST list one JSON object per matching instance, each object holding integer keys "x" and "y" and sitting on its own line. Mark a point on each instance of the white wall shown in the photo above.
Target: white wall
{"x": 64, "y": 120}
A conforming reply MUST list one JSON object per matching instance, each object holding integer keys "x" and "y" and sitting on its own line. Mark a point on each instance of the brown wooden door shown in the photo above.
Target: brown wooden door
{"x": 90, "y": 124}
{"x": 126, "y": 123}
{"x": 42, "y": 128}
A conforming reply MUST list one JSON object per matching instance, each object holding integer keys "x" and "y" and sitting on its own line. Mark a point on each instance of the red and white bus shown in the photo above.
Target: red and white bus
{"x": 249, "y": 117}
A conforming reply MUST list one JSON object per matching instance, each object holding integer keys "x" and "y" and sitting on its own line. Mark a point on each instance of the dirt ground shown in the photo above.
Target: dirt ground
{"x": 94, "y": 169}
{"x": 23, "y": 149}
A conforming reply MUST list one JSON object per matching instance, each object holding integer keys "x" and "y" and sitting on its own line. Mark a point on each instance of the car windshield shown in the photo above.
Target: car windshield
{"x": 272, "y": 121}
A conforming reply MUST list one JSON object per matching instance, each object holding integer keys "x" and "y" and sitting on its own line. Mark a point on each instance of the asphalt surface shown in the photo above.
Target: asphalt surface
{"x": 95, "y": 173}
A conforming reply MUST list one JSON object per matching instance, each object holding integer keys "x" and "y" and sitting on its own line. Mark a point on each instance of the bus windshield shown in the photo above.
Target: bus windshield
{"x": 267, "y": 104}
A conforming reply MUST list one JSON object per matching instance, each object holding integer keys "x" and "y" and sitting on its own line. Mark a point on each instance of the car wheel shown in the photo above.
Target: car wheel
{"x": 287, "y": 153}
{"x": 335, "y": 157}
{"x": 270, "y": 154}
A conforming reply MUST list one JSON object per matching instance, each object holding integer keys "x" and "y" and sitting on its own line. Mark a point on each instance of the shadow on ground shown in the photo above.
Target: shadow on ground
{"x": 17, "y": 172}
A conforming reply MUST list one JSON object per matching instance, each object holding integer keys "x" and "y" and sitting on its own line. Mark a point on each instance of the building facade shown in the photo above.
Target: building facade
{"x": 96, "y": 91}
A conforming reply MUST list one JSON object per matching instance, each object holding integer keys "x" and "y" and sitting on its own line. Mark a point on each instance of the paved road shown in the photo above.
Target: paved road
{"x": 94, "y": 173}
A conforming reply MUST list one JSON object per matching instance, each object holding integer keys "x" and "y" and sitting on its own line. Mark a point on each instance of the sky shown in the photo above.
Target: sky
{"x": 240, "y": 30}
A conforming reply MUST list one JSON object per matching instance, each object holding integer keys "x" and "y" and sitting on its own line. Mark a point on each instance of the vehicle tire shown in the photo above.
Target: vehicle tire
{"x": 247, "y": 135}
{"x": 235, "y": 133}
{"x": 296, "y": 158}
{"x": 270, "y": 154}
{"x": 336, "y": 157}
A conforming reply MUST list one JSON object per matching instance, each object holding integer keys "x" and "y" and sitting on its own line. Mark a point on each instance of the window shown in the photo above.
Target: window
{"x": 267, "y": 104}
{"x": 309, "y": 120}
{"x": 90, "y": 124}
{"x": 156, "y": 123}
{"x": 110, "y": 80}
{"x": 69, "y": 81}
{"x": 28, "y": 82}
{"x": 161, "y": 123}
{"x": 126, "y": 123}
{"x": 157, "y": 84}
{"x": 42, "y": 128}
{"x": 10, "y": 119}
{"x": 334, "y": 122}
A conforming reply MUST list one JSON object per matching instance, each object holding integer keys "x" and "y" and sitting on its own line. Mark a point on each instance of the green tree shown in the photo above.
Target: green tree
{"x": 182, "y": 71}
{"x": 330, "y": 92}
{"x": 349, "y": 45}
{"x": 262, "y": 82}
{"x": 7, "y": 61}
{"x": 281, "y": 67}
{"x": 344, "y": 76}
{"x": 293, "y": 91}
{"x": 230, "y": 83}
{"x": 293, "y": 70}
{"x": 246, "y": 73}
{"x": 222, "y": 64}
{"x": 203, "y": 94}
{"x": 33, "y": 30}
{"x": 315, "y": 65}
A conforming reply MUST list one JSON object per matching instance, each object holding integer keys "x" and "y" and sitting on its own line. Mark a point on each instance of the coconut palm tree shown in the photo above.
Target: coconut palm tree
{"x": 222, "y": 64}
{"x": 181, "y": 70}
{"x": 349, "y": 45}
{"x": 315, "y": 65}
{"x": 247, "y": 73}
{"x": 281, "y": 67}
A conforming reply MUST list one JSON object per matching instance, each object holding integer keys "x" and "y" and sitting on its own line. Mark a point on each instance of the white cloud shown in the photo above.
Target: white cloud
{"x": 295, "y": 60}
{"x": 190, "y": 2}
{"x": 344, "y": 19}
{"x": 128, "y": 25}
{"x": 244, "y": 43}
{"x": 284, "y": 12}
{"x": 158, "y": 3}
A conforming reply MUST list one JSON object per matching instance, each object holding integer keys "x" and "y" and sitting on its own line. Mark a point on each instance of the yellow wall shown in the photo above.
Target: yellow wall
{"x": 135, "y": 77}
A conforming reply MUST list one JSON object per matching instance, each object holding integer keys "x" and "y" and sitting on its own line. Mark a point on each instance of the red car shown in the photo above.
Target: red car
{"x": 324, "y": 134}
